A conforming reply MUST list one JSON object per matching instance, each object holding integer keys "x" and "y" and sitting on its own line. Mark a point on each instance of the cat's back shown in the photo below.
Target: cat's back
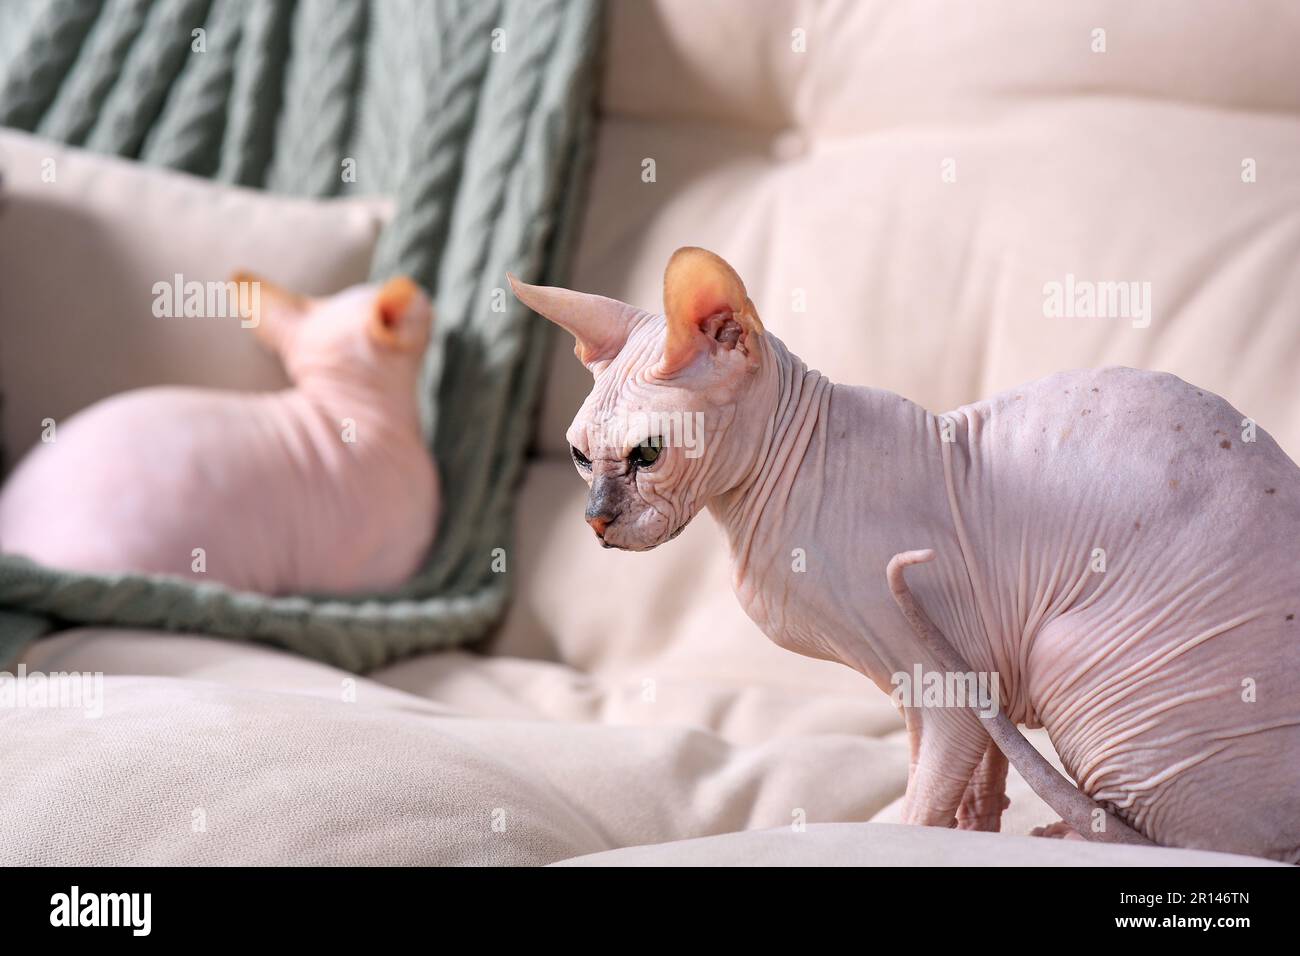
{"x": 279, "y": 492}
{"x": 154, "y": 436}
{"x": 1132, "y": 510}
{"x": 1129, "y": 437}
{"x": 137, "y": 481}
{"x": 1158, "y": 474}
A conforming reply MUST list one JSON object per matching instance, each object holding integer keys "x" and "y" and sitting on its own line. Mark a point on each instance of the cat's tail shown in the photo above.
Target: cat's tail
{"x": 1075, "y": 807}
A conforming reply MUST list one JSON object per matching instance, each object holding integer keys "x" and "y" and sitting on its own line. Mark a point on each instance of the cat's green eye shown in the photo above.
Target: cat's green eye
{"x": 645, "y": 454}
{"x": 582, "y": 460}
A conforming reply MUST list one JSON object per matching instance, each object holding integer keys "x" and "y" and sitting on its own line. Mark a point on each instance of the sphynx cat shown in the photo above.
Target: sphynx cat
{"x": 1119, "y": 548}
{"x": 325, "y": 487}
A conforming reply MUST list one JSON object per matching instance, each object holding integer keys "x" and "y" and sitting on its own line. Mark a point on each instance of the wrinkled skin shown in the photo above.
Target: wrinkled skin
{"x": 1169, "y": 682}
{"x": 264, "y": 483}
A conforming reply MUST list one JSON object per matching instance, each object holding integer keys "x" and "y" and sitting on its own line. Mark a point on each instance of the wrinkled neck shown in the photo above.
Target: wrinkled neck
{"x": 795, "y": 414}
{"x": 862, "y": 474}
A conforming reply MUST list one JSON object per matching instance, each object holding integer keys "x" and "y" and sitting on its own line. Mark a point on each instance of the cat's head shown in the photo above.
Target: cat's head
{"x": 677, "y": 414}
{"x": 376, "y": 330}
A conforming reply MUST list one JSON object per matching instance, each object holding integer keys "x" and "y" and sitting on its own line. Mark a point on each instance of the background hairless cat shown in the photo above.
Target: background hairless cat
{"x": 326, "y": 486}
{"x": 1120, "y": 548}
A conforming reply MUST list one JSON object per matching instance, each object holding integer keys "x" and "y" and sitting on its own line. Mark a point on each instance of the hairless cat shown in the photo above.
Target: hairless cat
{"x": 323, "y": 487}
{"x": 1119, "y": 549}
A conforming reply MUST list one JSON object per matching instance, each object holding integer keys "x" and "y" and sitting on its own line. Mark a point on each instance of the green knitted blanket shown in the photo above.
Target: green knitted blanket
{"x": 473, "y": 114}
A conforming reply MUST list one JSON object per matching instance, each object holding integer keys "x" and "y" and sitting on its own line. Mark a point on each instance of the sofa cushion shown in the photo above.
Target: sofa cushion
{"x": 883, "y": 844}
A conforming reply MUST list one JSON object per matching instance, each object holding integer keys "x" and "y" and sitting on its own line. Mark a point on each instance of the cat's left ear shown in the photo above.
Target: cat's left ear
{"x": 271, "y": 310}
{"x": 707, "y": 308}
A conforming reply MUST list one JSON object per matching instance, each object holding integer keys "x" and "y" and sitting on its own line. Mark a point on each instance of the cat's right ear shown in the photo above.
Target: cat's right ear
{"x": 706, "y": 307}
{"x": 600, "y": 326}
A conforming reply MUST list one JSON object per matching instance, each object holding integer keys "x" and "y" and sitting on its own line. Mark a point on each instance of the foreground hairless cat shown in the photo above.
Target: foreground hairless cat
{"x": 1104, "y": 542}
{"x": 324, "y": 487}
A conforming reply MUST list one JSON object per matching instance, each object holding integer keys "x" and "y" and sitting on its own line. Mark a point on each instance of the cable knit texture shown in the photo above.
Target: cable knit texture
{"x": 474, "y": 116}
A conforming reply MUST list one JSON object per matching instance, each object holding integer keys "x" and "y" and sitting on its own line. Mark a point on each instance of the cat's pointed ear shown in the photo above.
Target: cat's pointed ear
{"x": 707, "y": 307}
{"x": 599, "y": 325}
{"x": 271, "y": 310}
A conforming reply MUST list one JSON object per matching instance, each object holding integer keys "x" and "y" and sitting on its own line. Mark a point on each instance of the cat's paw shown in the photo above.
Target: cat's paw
{"x": 1060, "y": 830}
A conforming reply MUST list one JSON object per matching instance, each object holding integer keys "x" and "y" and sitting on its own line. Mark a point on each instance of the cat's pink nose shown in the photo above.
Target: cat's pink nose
{"x": 598, "y": 524}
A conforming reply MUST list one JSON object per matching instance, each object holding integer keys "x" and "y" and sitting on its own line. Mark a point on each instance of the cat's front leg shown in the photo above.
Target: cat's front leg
{"x": 947, "y": 745}
{"x": 986, "y": 794}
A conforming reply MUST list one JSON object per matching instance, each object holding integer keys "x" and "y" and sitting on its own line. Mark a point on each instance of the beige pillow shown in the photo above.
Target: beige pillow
{"x": 83, "y": 240}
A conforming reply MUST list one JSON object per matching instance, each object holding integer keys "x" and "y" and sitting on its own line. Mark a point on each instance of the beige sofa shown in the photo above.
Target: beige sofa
{"x": 896, "y": 183}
